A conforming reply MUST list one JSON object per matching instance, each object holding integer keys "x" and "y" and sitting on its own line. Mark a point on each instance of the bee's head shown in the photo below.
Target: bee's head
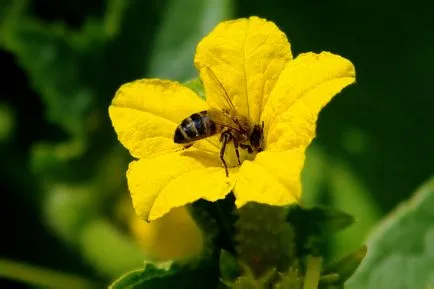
{"x": 257, "y": 138}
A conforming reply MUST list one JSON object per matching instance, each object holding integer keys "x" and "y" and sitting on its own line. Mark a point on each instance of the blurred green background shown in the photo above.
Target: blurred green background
{"x": 63, "y": 171}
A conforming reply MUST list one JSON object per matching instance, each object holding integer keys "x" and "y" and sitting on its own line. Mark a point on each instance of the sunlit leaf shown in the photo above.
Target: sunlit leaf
{"x": 401, "y": 249}
{"x": 137, "y": 278}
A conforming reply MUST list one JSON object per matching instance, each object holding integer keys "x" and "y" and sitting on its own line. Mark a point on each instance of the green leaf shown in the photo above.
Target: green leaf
{"x": 68, "y": 67}
{"x": 168, "y": 275}
{"x": 318, "y": 221}
{"x": 346, "y": 266}
{"x": 401, "y": 249}
{"x": 329, "y": 279}
{"x": 64, "y": 66}
{"x": 196, "y": 85}
{"x": 129, "y": 280}
{"x": 331, "y": 287}
{"x": 136, "y": 278}
{"x": 43, "y": 277}
{"x": 290, "y": 279}
{"x": 55, "y": 73}
{"x": 184, "y": 24}
{"x": 229, "y": 269}
{"x": 313, "y": 225}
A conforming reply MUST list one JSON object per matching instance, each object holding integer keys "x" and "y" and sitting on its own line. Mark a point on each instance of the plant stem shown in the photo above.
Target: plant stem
{"x": 313, "y": 271}
{"x": 42, "y": 277}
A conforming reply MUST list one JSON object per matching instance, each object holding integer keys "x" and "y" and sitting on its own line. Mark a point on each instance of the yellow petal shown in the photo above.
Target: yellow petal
{"x": 304, "y": 87}
{"x": 247, "y": 56}
{"x": 175, "y": 236}
{"x": 162, "y": 183}
{"x": 272, "y": 178}
{"x": 145, "y": 114}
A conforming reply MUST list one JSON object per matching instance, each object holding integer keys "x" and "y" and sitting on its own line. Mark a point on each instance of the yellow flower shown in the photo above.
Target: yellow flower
{"x": 252, "y": 60}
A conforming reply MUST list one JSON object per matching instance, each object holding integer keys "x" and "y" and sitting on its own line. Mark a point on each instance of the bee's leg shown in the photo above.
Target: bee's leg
{"x": 236, "y": 145}
{"x": 224, "y": 138}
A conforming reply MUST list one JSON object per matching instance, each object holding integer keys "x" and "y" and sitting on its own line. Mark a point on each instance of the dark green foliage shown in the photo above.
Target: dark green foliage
{"x": 229, "y": 269}
{"x": 313, "y": 226}
{"x": 269, "y": 248}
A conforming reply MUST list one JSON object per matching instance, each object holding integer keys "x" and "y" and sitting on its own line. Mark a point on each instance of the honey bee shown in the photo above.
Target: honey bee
{"x": 231, "y": 126}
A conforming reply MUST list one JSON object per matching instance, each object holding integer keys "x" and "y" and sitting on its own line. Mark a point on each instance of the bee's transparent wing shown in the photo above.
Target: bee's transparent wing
{"x": 220, "y": 97}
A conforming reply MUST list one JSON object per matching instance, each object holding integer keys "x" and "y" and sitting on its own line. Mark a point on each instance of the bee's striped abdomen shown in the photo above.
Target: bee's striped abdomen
{"x": 196, "y": 126}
